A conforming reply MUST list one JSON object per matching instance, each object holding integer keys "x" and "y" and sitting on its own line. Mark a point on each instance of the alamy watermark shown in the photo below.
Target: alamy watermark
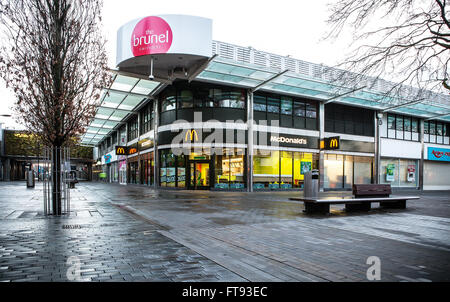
{"x": 374, "y": 271}
{"x": 222, "y": 137}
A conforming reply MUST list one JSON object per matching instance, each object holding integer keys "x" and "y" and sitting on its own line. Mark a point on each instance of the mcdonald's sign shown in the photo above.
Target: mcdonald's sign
{"x": 191, "y": 135}
{"x": 132, "y": 150}
{"x": 331, "y": 143}
{"x": 121, "y": 150}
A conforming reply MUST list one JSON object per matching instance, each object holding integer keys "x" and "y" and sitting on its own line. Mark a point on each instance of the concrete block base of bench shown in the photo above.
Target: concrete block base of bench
{"x": 401, "y": 204}
{"x": 358, "y": 207}
{"x": 317, "y": 208}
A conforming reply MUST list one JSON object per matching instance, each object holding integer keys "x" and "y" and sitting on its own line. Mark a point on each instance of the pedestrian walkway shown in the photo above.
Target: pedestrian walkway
{"x": 135, "y": 233}
{"x": 107, "y": 243}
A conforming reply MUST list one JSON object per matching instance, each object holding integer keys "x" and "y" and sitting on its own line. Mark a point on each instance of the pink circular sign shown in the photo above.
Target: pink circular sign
{"x": 151, "y": 35}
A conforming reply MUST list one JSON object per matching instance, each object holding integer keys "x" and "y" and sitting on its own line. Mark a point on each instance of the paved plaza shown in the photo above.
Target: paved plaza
{"x": 135, "y": 233}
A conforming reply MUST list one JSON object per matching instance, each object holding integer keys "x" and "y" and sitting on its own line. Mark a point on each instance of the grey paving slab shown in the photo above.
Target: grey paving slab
{"x": 135, "y": 233}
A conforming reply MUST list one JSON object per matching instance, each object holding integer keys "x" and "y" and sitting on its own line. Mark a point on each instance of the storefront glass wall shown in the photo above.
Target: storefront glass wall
{"x": 147, "y": 168}
{"x": 281, "y": 169}
{"x": 229, "y": 170}
{"x": 342, "y": 171}
{"x": 133, "y": 170}
{"x": 399, "y": 172}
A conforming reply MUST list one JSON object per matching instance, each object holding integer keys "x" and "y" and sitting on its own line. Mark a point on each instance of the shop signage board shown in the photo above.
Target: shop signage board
{"x": 331, "y": 143}
{"x": 439, "y": 154}
{"x": 121, "y": 150}
{"x": 164, "y": 34}
{"x": 109, "y": 158}
{"x": 145, "y": 144}
{"x": 133, "y": 149}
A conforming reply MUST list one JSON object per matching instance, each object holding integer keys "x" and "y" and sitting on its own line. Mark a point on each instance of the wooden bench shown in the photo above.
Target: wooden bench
{"x": 363, "y": 197}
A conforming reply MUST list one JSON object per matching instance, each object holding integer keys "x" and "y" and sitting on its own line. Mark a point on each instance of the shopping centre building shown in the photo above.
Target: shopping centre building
{"x": 187, "y": 112}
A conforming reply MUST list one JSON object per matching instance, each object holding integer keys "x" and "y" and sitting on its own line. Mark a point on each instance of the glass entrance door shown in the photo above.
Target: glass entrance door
{"x": 198, "y": 175}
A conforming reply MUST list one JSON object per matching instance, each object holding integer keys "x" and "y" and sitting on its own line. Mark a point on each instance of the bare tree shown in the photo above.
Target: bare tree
{"x": 403, "y": 40}
{"x": 54, "y": 60}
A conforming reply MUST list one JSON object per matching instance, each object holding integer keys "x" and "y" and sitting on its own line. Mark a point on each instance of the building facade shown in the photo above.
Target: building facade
{"x": 234, "y": 118}
{"x": 22, "y": 151}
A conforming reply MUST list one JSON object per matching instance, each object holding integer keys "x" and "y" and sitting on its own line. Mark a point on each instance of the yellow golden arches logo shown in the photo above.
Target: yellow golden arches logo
{"x": 192, "y": 134}
{"x": 121, "y": 150}
{"x": 334, "y": 143}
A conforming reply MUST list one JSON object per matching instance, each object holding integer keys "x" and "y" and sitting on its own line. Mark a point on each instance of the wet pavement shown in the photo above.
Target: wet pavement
{"x": 135, "y": 233}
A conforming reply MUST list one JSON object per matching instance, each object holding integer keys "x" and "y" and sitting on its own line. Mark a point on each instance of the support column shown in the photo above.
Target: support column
{"x": 155, "y": 143}
{"x": 378, "y": 121}
{"x": 422, "y": 155}
{"x": 322, "y": 152}
{"x": 250, "y": 141}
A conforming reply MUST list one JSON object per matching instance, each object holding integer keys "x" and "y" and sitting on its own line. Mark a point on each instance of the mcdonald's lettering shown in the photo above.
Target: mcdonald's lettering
{"x": 121, "y": 150}
{"x": 191, "y": 135}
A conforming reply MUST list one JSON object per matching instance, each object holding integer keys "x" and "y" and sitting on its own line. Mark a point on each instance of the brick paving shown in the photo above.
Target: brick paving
{"x": 134, "y": 233}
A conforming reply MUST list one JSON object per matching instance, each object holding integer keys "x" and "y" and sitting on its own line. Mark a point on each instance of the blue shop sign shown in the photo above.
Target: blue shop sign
{"x": 438, "y": 154}
{"x": 107, "y": 158}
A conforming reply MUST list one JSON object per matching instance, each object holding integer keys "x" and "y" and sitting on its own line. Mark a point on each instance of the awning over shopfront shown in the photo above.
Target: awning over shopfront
{"x": 311, "y": 84}
{"x": 255, "y": 70}
{"x": 117, "y": 102}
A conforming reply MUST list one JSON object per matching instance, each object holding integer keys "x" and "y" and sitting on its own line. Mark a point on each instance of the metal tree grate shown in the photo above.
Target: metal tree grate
{"x": 53, "y": 189}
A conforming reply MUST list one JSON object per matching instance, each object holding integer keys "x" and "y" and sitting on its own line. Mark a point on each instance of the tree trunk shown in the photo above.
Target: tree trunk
{"x": 56, "y": 180}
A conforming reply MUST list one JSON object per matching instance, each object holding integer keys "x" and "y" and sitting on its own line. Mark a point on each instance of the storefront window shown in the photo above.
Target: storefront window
{"x": 399, "y": 172}
{"x": 170, "y": 169}
{"x": 303, "y": 162}
{"x": 286, "y": 170}
{"x": 334, "y": 168}
{"x": 229, "y": 171}
{"x": 348, "y": 171}
{"x": 181, "y": 171}
{"x": 362, "y": 170}
{"x": 266, "y": 170}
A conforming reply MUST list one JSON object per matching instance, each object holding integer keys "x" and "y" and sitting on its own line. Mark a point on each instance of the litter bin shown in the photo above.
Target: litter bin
{"x": 30, "y": 179}
{"x": 311, "y": 183}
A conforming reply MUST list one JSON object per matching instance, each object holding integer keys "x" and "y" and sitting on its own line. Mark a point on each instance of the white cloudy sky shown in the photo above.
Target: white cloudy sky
{"x": 284, "y": 27}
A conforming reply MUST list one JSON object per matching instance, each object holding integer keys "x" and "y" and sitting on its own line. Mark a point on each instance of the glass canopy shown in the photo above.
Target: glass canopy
{"x": 251, "y": 76}
{"x": 117, "y": 102}
{"x": 127, "y": 93}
